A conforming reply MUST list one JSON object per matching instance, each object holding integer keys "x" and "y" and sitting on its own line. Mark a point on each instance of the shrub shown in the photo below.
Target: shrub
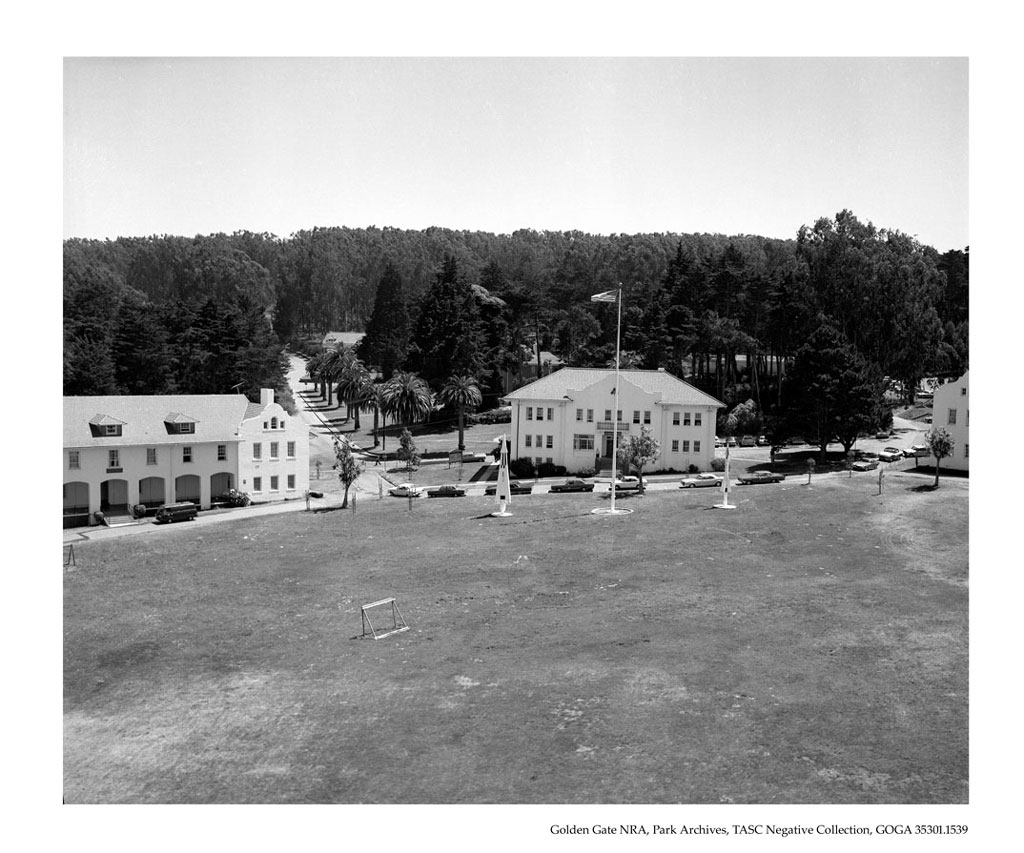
{"x": 717, "y": 464}
{"x": 522, "y": 467}
{"x": 139, "y": 511}
{"x": 693, "y": 469}
{"x": 495, "y": 416}
{"x": 549, "y": 469}
{"x": 232, "y": 497}
{"x": 586, "y": 472}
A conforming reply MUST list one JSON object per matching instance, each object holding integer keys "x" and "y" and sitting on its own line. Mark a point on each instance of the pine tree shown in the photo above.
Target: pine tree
{"x": 386, "y": 342}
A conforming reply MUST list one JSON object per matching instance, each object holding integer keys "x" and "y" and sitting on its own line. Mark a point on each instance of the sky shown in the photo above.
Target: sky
{"x": 603, "y": 145}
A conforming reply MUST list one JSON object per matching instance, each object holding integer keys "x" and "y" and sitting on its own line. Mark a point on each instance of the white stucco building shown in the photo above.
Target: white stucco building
{"x": 152, "y": 450}
{"x": 951, "y": 410}
{"x": 566, "y": 418}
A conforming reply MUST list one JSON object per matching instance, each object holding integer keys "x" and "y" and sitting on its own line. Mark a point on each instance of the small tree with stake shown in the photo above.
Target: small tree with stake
{"x": 347, "y": 466}
{"x": 638, "y": 450}
{"x": 407, "y": 451}
{"x": 940, "y": 443}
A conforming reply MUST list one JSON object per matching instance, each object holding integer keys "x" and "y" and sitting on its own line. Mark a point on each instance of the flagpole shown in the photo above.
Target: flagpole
{"x": 615, "y": 402}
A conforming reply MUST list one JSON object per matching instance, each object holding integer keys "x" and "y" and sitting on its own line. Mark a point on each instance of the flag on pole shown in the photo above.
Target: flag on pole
{"x": 607, "y": 296}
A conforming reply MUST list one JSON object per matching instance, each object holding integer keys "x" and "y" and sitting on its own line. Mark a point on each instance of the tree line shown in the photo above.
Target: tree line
{"x": 746, "y": 318}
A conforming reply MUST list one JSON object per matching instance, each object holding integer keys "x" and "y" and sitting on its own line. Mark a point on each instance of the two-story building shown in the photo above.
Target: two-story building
{"x": 123, "y": 451}
{"x": 951, "y": 410}
{"x": 566, "y": 418}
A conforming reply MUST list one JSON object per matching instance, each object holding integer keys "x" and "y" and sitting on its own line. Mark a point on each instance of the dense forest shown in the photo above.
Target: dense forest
{"x": 845, "y": 310}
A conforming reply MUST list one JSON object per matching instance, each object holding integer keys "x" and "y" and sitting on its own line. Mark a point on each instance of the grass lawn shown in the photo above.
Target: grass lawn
{"x": 809, "y": 647}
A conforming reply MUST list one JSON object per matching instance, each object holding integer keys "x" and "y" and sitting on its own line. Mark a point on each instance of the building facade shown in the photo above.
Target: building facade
{"x": 566, "y": 418}
{"x": 951, "y": 410}
{"x": 123, "y": 451}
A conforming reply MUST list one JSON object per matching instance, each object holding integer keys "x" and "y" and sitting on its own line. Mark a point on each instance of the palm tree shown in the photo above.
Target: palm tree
{"x": 355, "y": 386}
{"x": 461, "y": 391}
{"x": 406, "y": 398}
{"x": 336, "y": 361}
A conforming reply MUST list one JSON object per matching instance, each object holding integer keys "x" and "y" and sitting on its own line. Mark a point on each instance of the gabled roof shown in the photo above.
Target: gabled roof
{"x": 105, "y": 420}
{"x": 570, "y": 380}
{"x": 349, "y": 339}
{"x": 179, "y": 418}
{"x": 144, "y": 418}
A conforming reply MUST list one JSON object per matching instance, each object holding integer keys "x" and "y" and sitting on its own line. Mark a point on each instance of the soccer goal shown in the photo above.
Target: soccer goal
{"x": 398, "y": 623}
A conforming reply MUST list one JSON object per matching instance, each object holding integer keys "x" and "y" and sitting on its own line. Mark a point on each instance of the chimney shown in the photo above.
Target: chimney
{"x": 266, "y": 396}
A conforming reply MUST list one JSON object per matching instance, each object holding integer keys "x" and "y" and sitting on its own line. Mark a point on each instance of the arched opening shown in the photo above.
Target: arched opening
{"x": 114, "y": 496}
{"x": 186, "y": 488}
{"x": 220, "y": 485}
{"x": 152, "y": 492}
{"x": 76, "y": 504}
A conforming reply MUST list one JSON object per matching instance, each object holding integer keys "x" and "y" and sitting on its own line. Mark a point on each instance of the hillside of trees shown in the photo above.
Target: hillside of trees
{"x": 847, "y": 308}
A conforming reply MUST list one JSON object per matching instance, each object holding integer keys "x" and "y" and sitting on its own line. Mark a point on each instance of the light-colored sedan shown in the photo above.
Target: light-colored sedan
{"x": 701, "y": 481}
{"x": 406, "y": 490}
{"x": 917, "y": 450}
{"x": 891, "y": 454}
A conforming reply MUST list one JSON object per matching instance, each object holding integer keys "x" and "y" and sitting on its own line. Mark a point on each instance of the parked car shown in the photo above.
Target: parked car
{"x": 748, "y": 441}
{"x": 731, "y": 441}
{"x": 627, "y": 484}
{"x": 890, "y": 454}
{"x": 761, "y": 477}
{"x": 701, "y": 481}
{"x": 446, "y": 492}
{"x": 184, "y": 511}
{"x": 514, "y": 487}
{"x": 884, "y": 434}
{"x": 406, "y": 490}
{"x": 573, "y": 484}
{"x": 917, "y": 450}
{"x": 865, "y": 465}
{"x": 719, "y": 442}
{"x": 864, "y": 454}
{"x": 762, "y": 441}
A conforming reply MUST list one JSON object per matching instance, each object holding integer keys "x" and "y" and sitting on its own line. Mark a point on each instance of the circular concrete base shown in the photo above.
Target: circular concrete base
{"x": 601, "y": 510}
{"x": 724, "y": 506}
{"x": 501, "y": 515}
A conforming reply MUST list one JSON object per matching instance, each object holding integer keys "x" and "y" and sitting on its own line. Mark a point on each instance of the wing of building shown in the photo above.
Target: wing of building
{"x": 951, "y": 410}
{"x": 566, "y": 418}
{"x": 123, "y": 451}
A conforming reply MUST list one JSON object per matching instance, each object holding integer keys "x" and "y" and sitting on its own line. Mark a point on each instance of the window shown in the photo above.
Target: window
{"x": 73, "y": 459}
{"x": 696, "y": 447}
{"x": 112, "y": 429}
{"x": 273, "y": 450}
{"x": 550, "y": 442}
{"x": 647, "y": 417}
{"x": 550, "y": 461}
{"x": 291, "y": 482}
{"x": 963, "y": 392}
{"x": 257, "y": 450}
{"x": 590, "y": 416}
{"x": 273, "y": 484}
{"x": 186, "y": 453}
{"x": 529, "y": 441}
{"x": 113, "y": 458}
{"x": 540, "y": 413}
{"x": 636, "y": 416}
{"x": 291, "y": 449}
{"x": 686, "y": 418}
{"x": 222, "y": 452}
{"x": 551, "y": 414}
{"x": 696, "y": 419}
{"x": 151, "y": 456}
{"x": 538, "y": 441}
{"x": 265, "y": 424}
{"x": 257, "y": 484}
{"x": 675, "y": 445}
{"x": 967, "y": 451}
{"x": 537, "y": 461}
{"x": 579, "y": 414}
{"x": 529, "y": 413}
{"x": 618, "y": 415}
{"x": 188, "y": 429}
{"x": 273, "y": 423}
{"x": 583, "y": 442}
{"x": 607, "y": 414}
{"x": 686, "y": 445}
{"x": 675, "y": 419}
{"x": 952, "y": 417}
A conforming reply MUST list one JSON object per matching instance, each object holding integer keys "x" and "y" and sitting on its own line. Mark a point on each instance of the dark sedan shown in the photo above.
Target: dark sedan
{"x": 761, "y": 477}
{"x": 573, "y": 484}
{"x": 446, "y": 492}
{"x": 514, "y": 487}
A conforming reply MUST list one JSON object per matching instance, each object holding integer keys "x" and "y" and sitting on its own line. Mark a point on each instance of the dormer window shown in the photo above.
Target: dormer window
{"x": 102, "y": 426}
{"x": 112, "y": 429}
{"x": 186, "y": 429}
{"x": 179, "y": 424}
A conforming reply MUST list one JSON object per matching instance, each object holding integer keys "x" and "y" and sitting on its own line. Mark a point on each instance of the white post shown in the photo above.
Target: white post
{"x": 615, "y": 402}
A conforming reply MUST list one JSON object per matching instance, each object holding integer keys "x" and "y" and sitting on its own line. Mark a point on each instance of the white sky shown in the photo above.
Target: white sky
{"x": 605, "y": 145}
